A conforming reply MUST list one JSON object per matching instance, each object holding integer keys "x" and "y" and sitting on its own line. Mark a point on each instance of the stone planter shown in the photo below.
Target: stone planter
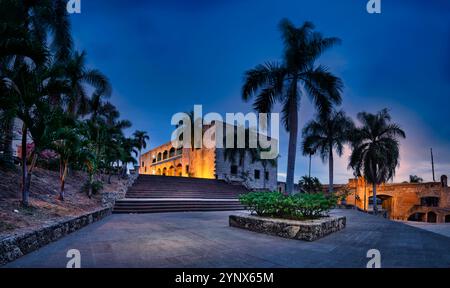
{"x": 308, "y": 230}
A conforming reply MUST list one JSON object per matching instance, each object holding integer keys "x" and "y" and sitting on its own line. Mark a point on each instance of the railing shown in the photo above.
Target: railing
{"x": 165, "y": 160}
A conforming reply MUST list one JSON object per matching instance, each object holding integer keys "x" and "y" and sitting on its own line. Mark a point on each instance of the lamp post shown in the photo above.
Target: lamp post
{"x": 365, "y": 196}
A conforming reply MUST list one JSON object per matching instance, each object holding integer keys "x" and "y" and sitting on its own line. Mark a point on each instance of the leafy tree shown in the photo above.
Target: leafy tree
{"x": 281, "y": 82}
{"x": 376, "y": 149}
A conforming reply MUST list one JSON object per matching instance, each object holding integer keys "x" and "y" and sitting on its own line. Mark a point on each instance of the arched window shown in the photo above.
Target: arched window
{"x": 164, "y": 155}
{"x": 431, "y": 217}
{"x": 179, "y": 170}
{"x": 159, "y": 157}
{"x": 447, "y": 218}
{"x": 171, "y": 152}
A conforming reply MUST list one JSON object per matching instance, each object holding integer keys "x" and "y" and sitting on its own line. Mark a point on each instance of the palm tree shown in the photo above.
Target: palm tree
{"x": 128, "y": 148}
{"x": 33, "y": 85}
{"x": 28, "y": 22}
{"x": 27, "y": 27}
{"x": 376, "y": 149}
{"x": 141, "y": 139}
{"x": 310, "y": 184}
{"x": 327, "y": 133}
{"x": 68, "y": 145}
{"x": 415, "y": 179}
{"x": 78, "y": 75}
{"x": 308, "y": 151}
{"x": 279, "y": 82}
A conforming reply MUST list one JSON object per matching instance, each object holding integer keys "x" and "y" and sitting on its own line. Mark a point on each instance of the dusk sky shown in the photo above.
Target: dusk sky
{"x": 162, "y": 57}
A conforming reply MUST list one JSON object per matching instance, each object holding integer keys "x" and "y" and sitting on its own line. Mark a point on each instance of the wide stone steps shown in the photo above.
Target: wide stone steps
{"x": 179, "y": 196}
{"x": 157, "y": 194}
{"x": 170, "y": 205}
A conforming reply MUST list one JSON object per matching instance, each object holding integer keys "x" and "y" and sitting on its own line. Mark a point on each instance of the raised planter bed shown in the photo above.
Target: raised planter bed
{"x": 308, "y": 230}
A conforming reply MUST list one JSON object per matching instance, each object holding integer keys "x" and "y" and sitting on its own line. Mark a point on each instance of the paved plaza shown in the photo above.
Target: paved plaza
{"x": 204, "y": 239}
{"x": 439, "y": 228}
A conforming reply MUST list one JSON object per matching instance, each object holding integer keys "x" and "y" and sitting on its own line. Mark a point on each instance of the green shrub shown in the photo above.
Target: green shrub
{"x": 315, "y": 205}
{"x": 275, "y": 204}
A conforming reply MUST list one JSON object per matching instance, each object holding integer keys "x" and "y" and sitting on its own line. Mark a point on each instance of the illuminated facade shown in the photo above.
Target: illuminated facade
{"x": 425, "y": 202}
{"x": 207, "y": 163}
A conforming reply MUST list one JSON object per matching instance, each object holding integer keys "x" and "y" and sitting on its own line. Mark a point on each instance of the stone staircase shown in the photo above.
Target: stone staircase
{"x": 155, "y": 194}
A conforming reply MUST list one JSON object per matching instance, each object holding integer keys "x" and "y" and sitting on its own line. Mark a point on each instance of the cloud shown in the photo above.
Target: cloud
{"x": 281, "y": 176}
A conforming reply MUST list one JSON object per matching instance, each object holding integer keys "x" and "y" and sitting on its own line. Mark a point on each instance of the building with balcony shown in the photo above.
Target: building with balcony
{"x": 208, "y": 163}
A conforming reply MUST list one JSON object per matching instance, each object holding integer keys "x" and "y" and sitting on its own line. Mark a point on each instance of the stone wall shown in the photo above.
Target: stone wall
{"x": 15, "y": 246}
{"x": 109, "y": 198}
{"x": 223, "y": 171}
{"x": 308, "y": 230}
{"x": 400, "y": 200}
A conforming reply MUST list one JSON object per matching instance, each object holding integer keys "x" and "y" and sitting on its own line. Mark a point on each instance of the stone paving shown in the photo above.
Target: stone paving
{"x": 440, "y": 228}
{"x": 205, "y": 240}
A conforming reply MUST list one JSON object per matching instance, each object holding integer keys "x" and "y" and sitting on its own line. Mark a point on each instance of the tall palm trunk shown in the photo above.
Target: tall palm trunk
{"x": 309, "y": 170}
{"x": 63, "y": 181}
{"x": 30, "y": 169}
{"x": 25, "y": 191}
{"x": 330, "y": 170}
{"x": 375, "y": 204}
{"x": 292, "y": 149}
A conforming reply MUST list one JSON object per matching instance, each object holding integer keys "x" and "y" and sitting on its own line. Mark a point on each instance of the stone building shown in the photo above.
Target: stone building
{"x": 425, "y": 202}
{"x": 208, "y": 163}
{"x": 16, "y": 140}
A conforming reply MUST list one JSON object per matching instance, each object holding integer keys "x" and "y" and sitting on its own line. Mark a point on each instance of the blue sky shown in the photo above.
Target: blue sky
{"x": 163, "y": 57}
